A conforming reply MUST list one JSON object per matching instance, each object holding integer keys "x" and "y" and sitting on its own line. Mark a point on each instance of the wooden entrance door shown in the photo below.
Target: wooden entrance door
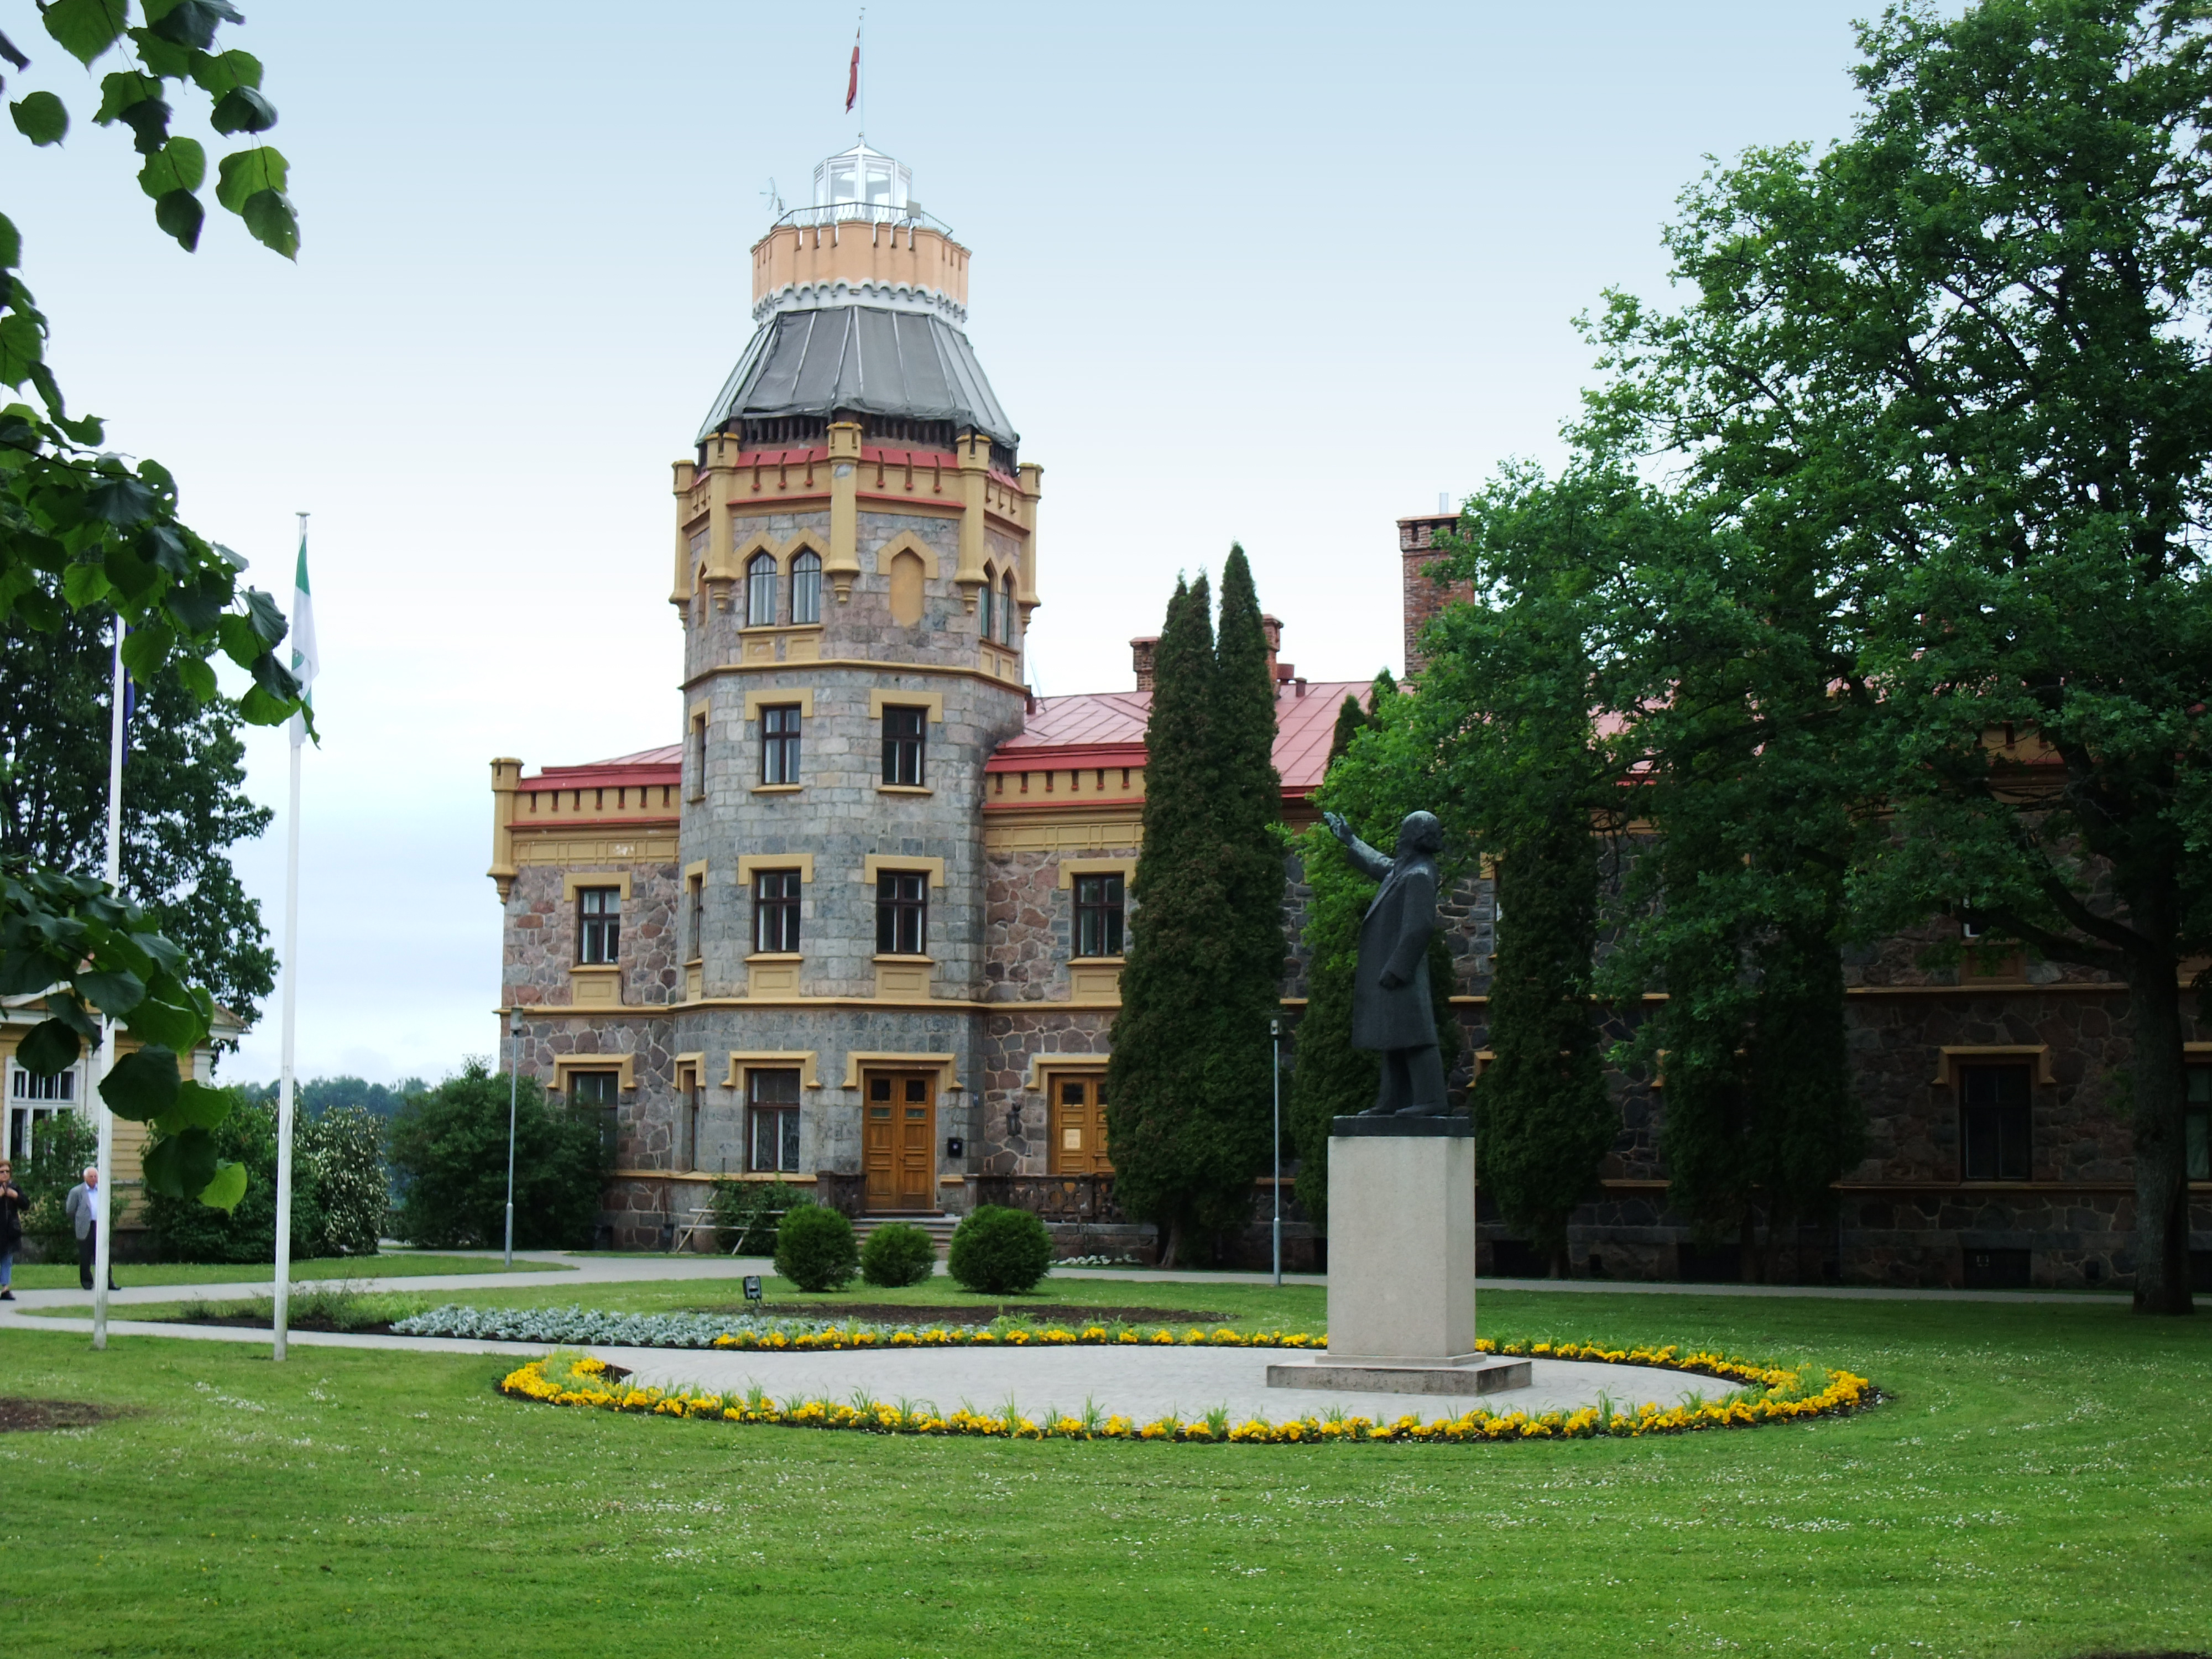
{"x": 1079, "y": 1125}
{"x": 899, "y": 1141}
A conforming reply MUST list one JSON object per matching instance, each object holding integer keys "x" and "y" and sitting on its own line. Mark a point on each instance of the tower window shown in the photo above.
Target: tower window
{"x": 1994, "y": 1122}
{"x": 695, "y": 923}
{"x": 599, "y": 924}
{"x": 779, "y": 738}
{"x": 806, "y": 588}
{"x": 1098, "y": 913}
{"x": 987, "y": 603}
{"x": 902, "y": 913}
{"x": 776, "y": 911}
{"x": 760, "y": 590}
{"x": 904, "y": 740}
{"x": 1007, "y": 609}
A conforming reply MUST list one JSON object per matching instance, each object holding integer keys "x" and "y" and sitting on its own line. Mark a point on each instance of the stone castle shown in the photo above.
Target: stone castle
{"x": 861, "y": 929}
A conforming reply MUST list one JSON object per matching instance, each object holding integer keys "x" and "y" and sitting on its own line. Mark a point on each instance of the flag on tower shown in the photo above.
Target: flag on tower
{"x": 305, "y": 663}
{"x": 852, "y": 77}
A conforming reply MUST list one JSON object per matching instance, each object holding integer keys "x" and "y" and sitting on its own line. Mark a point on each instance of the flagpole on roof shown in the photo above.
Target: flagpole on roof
{"x": 103, "y": 1120}
{"x": 304, "y": 664}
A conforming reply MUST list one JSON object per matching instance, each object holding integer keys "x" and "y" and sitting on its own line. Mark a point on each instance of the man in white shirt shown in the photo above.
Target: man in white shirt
{"x": 82, "y": 1208}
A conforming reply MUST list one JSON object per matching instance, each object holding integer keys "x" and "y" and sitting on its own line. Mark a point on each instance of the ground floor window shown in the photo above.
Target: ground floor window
{"x": 1994, "y": 1122}
{"x": 772, "y": 1106}
{"x": 597, "y": 1091}
{"x": 33, "y": 1103}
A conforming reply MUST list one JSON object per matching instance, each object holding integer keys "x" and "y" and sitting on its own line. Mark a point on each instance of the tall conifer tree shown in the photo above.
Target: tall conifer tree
{"x": 1189, "y": 1086}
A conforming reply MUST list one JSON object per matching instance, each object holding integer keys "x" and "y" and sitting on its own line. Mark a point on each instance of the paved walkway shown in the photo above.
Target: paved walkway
{"x": 610, "y": 1269}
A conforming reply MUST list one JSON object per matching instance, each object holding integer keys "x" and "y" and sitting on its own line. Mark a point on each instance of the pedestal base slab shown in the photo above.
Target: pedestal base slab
{"x": 1472, "y": 1374}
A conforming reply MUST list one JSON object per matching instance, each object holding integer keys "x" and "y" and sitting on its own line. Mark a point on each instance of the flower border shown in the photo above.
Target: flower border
{"x": 1780, "y": 1400}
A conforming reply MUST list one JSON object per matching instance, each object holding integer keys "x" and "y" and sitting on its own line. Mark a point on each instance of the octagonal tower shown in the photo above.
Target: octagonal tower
{"x": 854, "y": 572}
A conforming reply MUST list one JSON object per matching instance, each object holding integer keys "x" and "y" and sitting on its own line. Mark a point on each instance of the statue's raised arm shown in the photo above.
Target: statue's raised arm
{"x": 1364, "y": 859}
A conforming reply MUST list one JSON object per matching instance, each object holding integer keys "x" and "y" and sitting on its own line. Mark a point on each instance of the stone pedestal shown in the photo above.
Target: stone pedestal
{"x": 1401, "y": 1264}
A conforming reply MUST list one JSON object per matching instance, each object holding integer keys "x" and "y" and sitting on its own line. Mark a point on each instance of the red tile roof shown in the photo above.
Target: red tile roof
{"x": 648, "y": 766}
{"x": 1107, "y": 728}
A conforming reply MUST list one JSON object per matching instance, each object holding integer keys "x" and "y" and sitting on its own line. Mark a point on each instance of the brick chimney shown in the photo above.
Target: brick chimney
{"x": 1140, "y": 658}
{"x": 1424, "y": 596}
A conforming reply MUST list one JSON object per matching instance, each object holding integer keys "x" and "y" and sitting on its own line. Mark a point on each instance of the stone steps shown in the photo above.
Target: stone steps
{"x": 938, "y": 1224}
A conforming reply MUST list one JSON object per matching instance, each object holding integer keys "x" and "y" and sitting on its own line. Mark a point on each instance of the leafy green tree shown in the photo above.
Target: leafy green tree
{"x": 318, "y": 1096}
{"x": 60, "y": 1150}
{"x": 448, "y": 1153}
{"x": 185, "y": 1230}
{"x": 1189, "y": 1085}
{"x": 1966, "y": 351}
{"x": 84, "y": 530}
{"x": 184, "y": 802}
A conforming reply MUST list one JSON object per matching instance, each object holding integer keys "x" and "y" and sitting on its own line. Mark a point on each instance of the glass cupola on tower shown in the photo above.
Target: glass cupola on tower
{"x": 865, "y": 178}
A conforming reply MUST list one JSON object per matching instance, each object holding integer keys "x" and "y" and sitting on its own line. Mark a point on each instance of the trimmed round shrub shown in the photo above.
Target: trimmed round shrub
{"x": 996, "y": 1251}
{"x": 898, "y": 1254}
{"x": 814, "y": 1249}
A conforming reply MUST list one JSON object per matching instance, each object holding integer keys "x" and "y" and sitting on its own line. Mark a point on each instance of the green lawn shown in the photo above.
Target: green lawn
{"x": 2040, "y": 1485}
{"x": 62, "y": 1275}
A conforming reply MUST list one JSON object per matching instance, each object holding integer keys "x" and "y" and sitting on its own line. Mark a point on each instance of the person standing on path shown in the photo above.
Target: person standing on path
{"x": 11, "y": 1226}
{"x": 82, "y": 1208}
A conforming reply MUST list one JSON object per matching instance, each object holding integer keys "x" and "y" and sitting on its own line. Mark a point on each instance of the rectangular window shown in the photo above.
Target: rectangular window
{"x": 902, "y": 913}
{"x": 2199, "y": 1139}
{"x": 780, "y": 744}
{"x": 697, "y": 758}
{"x": 776, "y": 910}
{"x": 599, "y": 924}
{"x": 34, "y": 1102}
{"x": 1994, "y": 1119}
{"x": 1099, "y": 915}
{"x": 695, "y": 919}
{"x": 687, "y": 1090}
{"x": 772, "y": 1103}
{"x": 597, "y": 1091}
{"x": 902, "y": 745}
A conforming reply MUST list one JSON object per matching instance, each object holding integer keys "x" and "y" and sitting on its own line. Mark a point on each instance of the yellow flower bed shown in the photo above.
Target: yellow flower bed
{"x": 1781, "y": 1398}
{"x": 963, "y": 1336}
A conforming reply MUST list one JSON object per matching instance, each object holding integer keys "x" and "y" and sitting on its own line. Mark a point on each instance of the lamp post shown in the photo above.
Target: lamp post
{"x": 1275, "y": 1033}
{"x": 513, "y": 1072}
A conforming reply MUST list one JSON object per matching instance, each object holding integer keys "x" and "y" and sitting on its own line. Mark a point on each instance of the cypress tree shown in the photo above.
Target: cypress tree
{"x": 1174, "y": 956}
{"x": 1189, "y": 1086}
{"x": 1543, "y": 1118}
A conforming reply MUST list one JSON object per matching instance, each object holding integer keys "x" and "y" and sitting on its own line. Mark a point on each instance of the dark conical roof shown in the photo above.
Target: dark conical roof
{"x": 867, "y": 360}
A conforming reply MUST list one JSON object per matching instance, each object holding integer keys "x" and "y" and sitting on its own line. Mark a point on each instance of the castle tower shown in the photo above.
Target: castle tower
{"x": 854, "y": 572}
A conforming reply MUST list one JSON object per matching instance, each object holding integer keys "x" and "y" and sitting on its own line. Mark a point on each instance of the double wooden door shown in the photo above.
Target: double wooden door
{"x": 898, "y": 1140}
{"x": 1078, "y": 1124}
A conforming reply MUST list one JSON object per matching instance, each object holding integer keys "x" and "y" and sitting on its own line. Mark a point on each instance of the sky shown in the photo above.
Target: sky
{"x": 1277, "y": 274}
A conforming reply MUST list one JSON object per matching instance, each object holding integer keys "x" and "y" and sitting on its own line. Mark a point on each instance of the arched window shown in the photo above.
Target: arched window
{"x": 760, "y": 590}
{"x": 1007, "y": 609}
{"x": 806, "y": 588}
{"x": 984, "y": 601}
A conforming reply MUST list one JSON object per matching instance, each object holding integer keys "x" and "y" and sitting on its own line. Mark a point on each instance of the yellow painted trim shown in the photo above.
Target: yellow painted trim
{"x": 941, "y": 1064}
{"x": 805, "y": 1059}
{"x": 932, "y": 701}
{"x": 907, "y": 542}
{"x": 574, "y": 880}
{"x": 1070, "y": 868}
{"x": 948, "y": 671}
{"x": 780, "y": 697}
{"x": 1042, "y": 1064}
{"x": 626, "y": 1065}
{"x": 777, "y": 788}
{"x": 699, "y": 869}
{"x": 1946, "y": 1057}
{"x": 750, "y": 864}
{"x": 876, "y": 863}
{"x": 904, "y": 789}
{"x": 893, "y": 956}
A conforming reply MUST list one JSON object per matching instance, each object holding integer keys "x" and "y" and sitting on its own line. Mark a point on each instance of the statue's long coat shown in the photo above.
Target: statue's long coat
{"x": 1394, "y": 935}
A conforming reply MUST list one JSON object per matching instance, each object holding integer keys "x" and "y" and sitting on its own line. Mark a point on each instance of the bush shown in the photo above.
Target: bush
{"x": 746, "y": 1213}
{"x": 814, "y": 1249}
{"x": 899, "y": 1253}
{"x": 60, "y": 1149}
{"x": 338, "y": 1190}
{"x": 996, "y": 1251}
{"x": 449, "y": 1151}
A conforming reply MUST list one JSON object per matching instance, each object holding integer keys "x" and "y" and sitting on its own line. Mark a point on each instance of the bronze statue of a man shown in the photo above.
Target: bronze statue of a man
{"x": 1391, "y": 1013}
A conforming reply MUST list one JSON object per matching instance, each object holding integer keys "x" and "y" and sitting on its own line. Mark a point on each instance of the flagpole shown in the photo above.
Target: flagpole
{"x": 103, "y": 1120}
{"x": 280, "y": 1313}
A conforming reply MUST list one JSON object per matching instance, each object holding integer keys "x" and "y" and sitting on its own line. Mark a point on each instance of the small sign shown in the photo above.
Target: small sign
{"x": 752, "y": 1287}
{"x": 955, "y": 1147}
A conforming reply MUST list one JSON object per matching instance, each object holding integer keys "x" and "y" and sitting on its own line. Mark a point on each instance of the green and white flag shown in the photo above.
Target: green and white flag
{"x": 305, "y": 663}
